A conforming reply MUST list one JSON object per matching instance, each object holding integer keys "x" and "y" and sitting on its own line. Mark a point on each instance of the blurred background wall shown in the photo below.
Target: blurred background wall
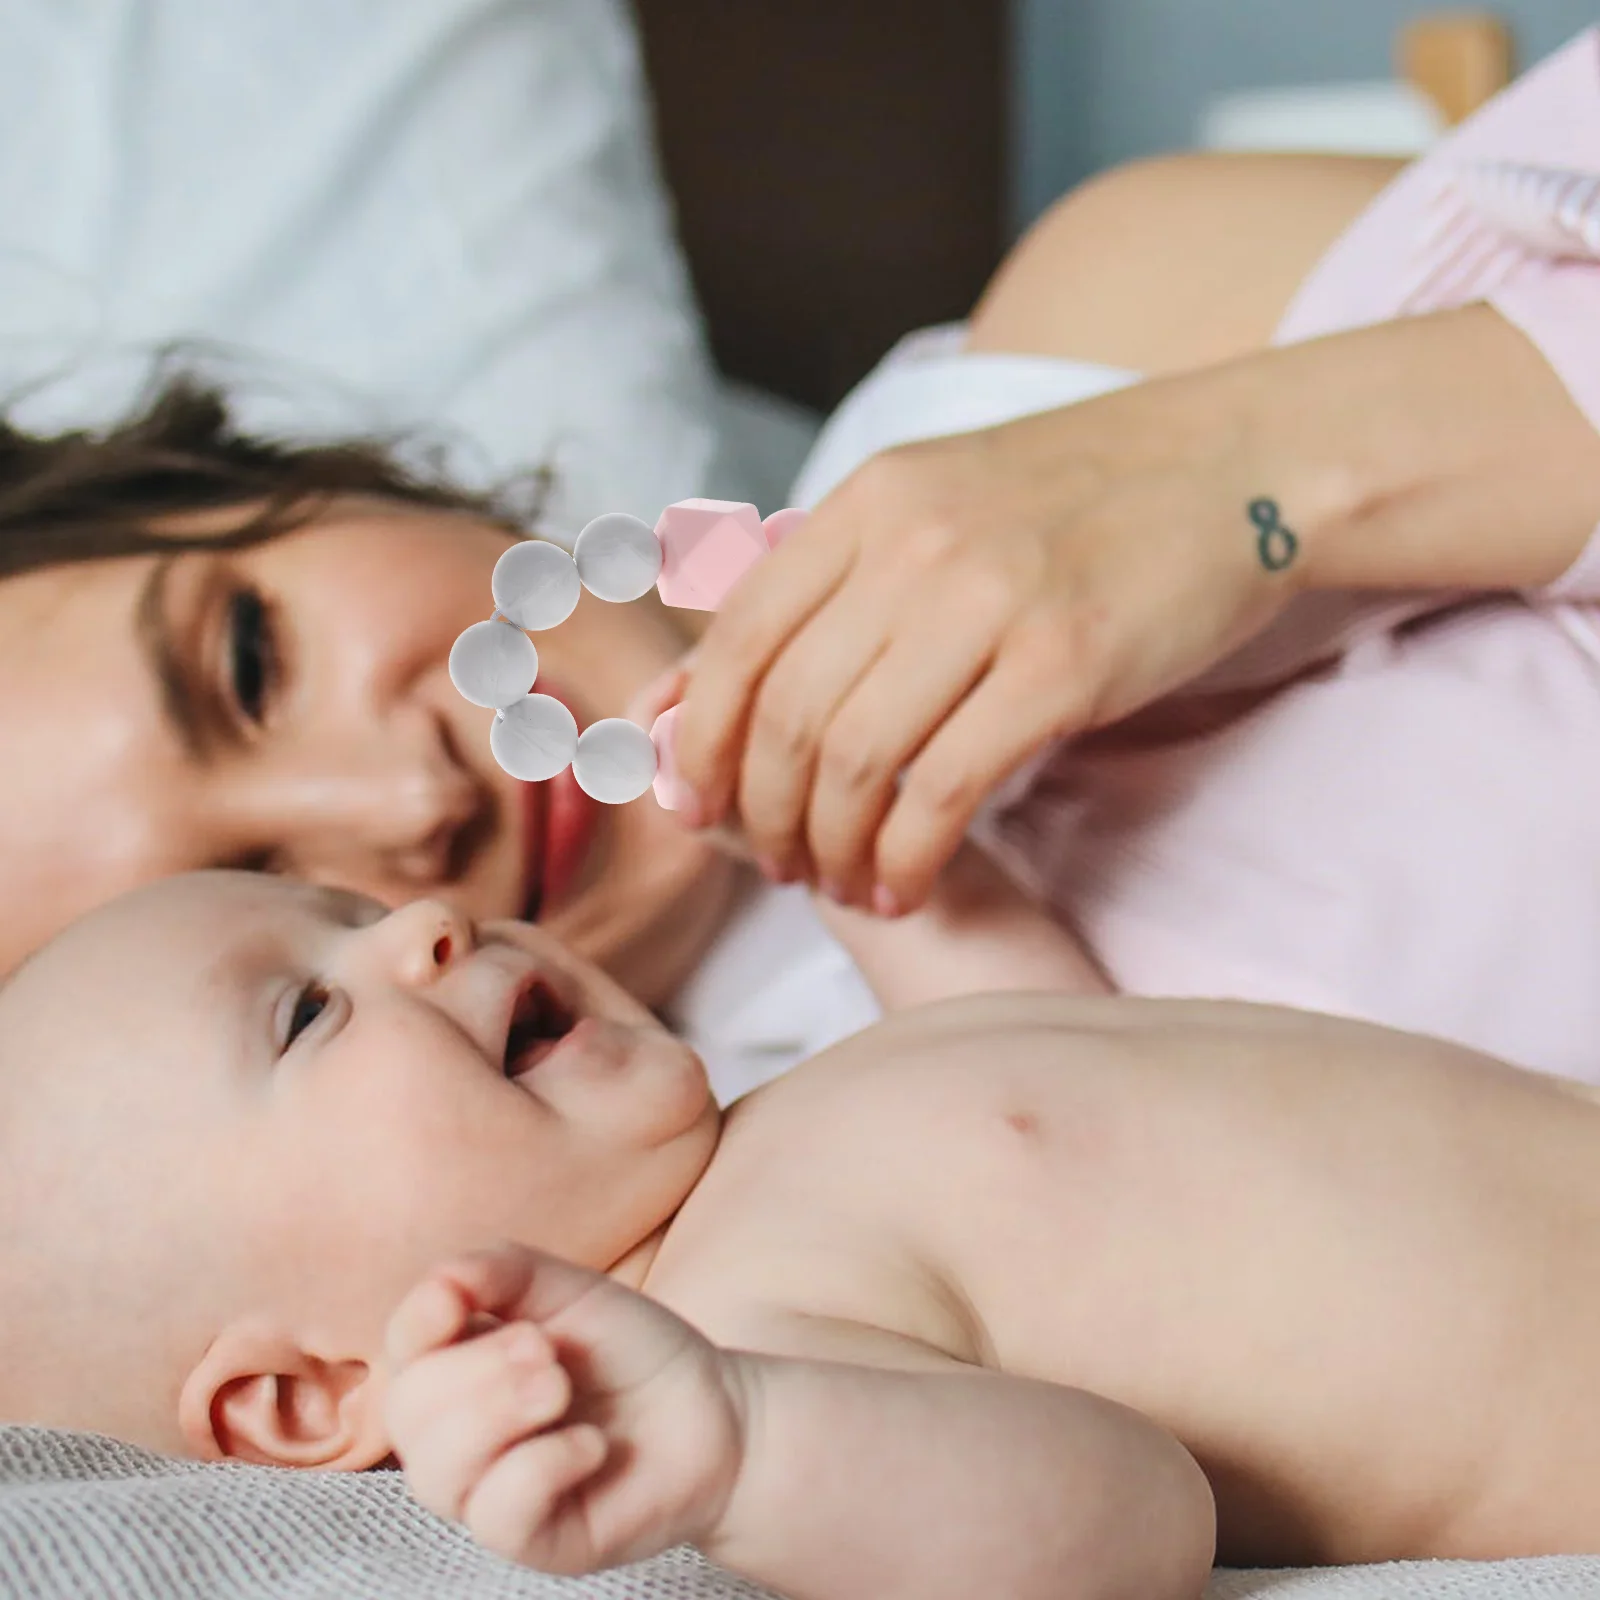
{"x": 1098, "y": 81}
{"x": 846, "y": 170}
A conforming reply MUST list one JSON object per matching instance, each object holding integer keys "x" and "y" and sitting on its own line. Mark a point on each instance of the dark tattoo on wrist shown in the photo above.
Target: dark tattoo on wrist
{"x": 1275, "y": 542}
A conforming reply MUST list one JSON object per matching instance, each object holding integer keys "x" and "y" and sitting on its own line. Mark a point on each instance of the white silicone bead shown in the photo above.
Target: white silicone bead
{"x": 493, "y": 664}
{"x": 618, "y": 557}
{"x": 535, "y": 584}
{"x": 534, "y": 739}
{"x": 615, "y": 761}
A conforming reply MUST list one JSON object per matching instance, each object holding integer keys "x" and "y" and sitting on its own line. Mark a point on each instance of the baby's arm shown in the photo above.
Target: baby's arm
{"x": 594, "y": 1427}
{"x": 977, "y": 932}
{"x": 862, "y": 1482}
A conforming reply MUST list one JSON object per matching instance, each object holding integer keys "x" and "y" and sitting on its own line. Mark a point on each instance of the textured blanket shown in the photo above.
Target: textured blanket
{"x": 83, "y": 1517}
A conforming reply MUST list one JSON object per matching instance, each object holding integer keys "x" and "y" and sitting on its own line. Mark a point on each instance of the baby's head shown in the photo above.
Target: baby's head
{"x": 240, "y": 1117}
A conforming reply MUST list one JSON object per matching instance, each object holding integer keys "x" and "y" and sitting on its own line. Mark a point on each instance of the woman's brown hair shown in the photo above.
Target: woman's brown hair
{"x": 92, "y": 496}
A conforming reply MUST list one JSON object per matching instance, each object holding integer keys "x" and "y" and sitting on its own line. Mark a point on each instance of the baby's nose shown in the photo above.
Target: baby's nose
{"x": 425, "y": 939}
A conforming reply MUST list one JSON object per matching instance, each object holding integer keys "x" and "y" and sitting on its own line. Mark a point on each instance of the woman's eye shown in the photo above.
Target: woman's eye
{"x": 309, "y": 1004}
{"x": 251, "y": 655}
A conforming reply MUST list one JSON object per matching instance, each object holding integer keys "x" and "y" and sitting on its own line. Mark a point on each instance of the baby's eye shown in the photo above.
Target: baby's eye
{"x": 309, "y": 1004}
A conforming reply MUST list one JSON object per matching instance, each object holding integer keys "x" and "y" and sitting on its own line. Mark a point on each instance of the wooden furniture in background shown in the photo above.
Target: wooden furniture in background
{"x": 1458, "y": 59}
{"x": 838, "y": 168}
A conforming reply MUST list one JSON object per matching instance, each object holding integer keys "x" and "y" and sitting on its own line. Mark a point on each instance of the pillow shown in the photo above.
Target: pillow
{"x": 390, "y": 211}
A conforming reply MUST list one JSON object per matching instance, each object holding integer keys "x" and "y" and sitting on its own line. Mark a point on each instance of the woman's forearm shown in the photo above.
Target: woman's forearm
{"x": 1432, "y": 452}
{"x": 1034, "y": 580}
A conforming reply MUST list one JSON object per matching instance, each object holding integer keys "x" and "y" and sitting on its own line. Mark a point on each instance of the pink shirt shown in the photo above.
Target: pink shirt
{"x": 1386, "y": 264}
{"x": 1411, "y": 835}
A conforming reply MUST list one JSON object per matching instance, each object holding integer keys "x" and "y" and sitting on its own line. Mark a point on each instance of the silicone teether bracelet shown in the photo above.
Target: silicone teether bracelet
{"x": 695, "y": 554}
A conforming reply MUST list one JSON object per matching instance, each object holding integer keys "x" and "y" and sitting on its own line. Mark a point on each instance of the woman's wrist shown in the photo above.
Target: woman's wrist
{"x": 1437, "y": 452}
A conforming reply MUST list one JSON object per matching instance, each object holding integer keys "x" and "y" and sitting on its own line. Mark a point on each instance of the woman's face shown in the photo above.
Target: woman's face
{"x": 288, "y": 707}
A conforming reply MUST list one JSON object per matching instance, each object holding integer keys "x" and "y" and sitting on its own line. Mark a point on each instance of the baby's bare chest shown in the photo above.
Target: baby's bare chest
{"x": 994, "y": 1201}
{"x": 1332, "y": 1323}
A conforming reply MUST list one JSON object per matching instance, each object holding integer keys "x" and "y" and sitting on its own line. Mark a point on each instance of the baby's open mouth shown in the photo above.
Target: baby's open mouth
{"x": 538, "y": 1024}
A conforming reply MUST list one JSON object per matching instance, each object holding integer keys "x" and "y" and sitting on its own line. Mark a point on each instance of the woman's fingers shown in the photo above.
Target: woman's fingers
{"x": 773, "y": 599}
{"x": 939, "y": 652}
{"x": 1003, "y": 723}
{"x": 794, "y": 706}
{"x": 661, "y": 693}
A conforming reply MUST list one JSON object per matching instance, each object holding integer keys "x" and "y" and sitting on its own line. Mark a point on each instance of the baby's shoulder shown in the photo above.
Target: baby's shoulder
{"x": 833, "y": 1188}
{"x": 839, "y": 1116}
{"x": 814, "y": 1210}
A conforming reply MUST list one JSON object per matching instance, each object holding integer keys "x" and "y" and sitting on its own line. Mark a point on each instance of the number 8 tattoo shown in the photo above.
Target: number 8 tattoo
{"x": 1276, "y": 543}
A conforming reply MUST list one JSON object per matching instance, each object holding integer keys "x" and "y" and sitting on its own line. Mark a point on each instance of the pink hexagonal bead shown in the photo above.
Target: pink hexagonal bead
{"x": 706, "y": 547}
{"x": 671, "y": 791}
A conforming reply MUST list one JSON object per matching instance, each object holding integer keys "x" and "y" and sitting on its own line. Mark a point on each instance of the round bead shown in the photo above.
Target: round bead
{"x": 535, "y": 584}
{"x": 618, "y": 557}
{"x": 493, "y": 664}
{"x": 534, "y": 739}
{"x": 616, "y": 762}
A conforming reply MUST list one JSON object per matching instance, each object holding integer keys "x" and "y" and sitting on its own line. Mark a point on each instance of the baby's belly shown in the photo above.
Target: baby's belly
{"x": 1413, "y": 838}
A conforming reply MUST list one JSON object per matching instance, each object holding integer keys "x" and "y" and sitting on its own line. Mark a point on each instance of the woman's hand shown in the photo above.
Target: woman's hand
{"x": 570, "y": 1423}
{"x": 958, "y": 604}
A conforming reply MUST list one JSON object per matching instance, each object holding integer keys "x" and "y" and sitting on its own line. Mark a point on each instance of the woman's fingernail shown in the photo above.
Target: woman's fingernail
{"x": 884, "y": 901}
{"x": 768, "y": 867}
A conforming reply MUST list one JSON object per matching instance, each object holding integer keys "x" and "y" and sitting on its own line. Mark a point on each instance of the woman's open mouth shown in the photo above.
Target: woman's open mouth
{"x": 539, "y": 1022}
{"x": 570, "y": 820}
{"x": 559, "y": 823}
{"x": 532, "y": 797}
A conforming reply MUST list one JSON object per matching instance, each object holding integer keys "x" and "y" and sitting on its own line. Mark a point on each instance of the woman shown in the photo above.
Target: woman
{"x": 283, "y": 702}
{"x": 220, "y": 653}
{"x": 1318, "y": 624}
{"x": 1436, "y": 452}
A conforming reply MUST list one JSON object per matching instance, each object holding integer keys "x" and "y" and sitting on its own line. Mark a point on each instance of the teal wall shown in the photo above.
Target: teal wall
{"x": 1099, "y": 81}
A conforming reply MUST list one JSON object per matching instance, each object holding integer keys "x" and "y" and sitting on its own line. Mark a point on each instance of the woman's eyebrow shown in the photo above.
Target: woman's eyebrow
{"x": 152, "y": 630}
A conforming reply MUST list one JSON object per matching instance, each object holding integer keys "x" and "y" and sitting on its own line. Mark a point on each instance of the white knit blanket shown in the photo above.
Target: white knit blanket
{"x": 83, "y": 1517}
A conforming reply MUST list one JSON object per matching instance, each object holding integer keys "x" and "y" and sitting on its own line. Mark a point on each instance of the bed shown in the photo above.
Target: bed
{"x": 810, "y": 256}
{"x": 83, "y": 1517}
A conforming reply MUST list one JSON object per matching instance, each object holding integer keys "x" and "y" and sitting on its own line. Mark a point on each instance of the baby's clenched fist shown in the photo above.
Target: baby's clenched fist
{"x": 570, "y": 1423}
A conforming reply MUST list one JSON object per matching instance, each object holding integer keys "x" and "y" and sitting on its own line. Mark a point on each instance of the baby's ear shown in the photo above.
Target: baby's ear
{"x": 256, "y": 1395}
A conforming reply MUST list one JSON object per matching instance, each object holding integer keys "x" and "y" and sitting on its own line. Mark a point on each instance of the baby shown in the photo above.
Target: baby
{"x": 1024, "y": 1294}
